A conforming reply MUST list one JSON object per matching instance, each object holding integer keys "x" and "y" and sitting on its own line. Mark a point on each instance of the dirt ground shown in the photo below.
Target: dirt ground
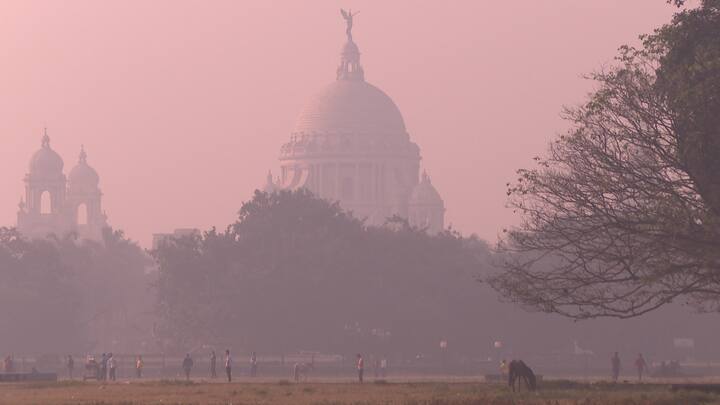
{"x": 169, "y": 392}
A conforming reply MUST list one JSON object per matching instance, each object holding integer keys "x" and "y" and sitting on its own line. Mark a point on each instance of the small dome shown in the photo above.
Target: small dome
{"x": 46, "y": 162}
{"x": 82, "y": 175}
{"x": 425, "y": 194}
{"x": 350, "y": 106}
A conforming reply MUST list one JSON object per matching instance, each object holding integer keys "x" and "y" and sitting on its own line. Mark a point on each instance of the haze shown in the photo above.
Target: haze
{"x": 183, "y": 105}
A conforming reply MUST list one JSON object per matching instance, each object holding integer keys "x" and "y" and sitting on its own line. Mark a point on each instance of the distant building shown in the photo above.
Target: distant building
{"x": 54, "y": 204}
{"x": 160, "y": 238}
{"x": 350, "y": 145}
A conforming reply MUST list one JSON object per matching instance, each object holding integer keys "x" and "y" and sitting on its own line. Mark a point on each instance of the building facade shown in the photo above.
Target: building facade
{"x": 350, "y": 145}
{"x": 58, "y": 205}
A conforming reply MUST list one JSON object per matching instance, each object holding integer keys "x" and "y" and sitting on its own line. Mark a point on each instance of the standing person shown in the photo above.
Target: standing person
{"x": 253, "y": 364}
{"x": 228, "y": 365}
{"x": 111, "y": 364}
{"x": 383, "y": 367}
{"x": 139, "y": 364}
{"x": 615, "y": 363}
{"x": 102, "y": 370}
{"x": 70, "y": 364}
{"x": 640, "y": 365}
{"x": 187, "y": 366}
{"x": 213, "y": 364}
{"x": 360, "y": 367}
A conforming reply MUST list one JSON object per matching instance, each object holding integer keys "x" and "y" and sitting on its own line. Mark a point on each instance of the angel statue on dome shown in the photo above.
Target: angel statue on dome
{"x": 348, "y": 16}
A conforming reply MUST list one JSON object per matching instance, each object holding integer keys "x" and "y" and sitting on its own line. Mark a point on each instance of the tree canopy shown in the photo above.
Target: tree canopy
{"x": 295, "y": 272}
{"x": 620, "y": 216}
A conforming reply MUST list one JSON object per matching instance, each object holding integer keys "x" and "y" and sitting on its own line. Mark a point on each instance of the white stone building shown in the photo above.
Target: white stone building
{"x": 350, "y": 145}
{"x": 54, "y": 204}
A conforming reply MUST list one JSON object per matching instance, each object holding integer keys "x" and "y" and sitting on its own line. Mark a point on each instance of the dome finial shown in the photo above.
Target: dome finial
{"x": 45, "y": 139}
{"x": 350, "y": 68}
{"x": 83, "y": 155}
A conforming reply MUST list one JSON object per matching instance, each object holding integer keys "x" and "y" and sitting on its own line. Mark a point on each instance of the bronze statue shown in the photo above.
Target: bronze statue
{"x": 348, "y": 16}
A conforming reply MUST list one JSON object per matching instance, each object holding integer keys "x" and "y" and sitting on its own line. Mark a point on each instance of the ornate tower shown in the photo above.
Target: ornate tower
{"x": 42, "y": 212}
{"x": 84, "y": 200}
{"x": 426, "y": 208}
{"x": 350, "y": 145}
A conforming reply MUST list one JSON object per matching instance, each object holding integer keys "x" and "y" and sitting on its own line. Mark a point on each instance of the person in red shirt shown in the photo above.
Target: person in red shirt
{"x": 640, "y": 365}
{"x": 360, "y": 367}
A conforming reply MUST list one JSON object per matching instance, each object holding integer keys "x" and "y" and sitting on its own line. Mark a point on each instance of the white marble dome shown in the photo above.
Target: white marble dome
{"x": 46, "y": 162}
{"x": 350, "y": 107}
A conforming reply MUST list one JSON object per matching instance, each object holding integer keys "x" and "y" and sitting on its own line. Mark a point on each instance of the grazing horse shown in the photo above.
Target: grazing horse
{"x": 519, "y": 371}
{"x": 301, "y": 371}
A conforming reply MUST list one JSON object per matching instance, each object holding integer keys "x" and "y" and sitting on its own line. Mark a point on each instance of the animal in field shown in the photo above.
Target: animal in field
{"x": 519, "y": 371}
{"x": 302, "y": 370}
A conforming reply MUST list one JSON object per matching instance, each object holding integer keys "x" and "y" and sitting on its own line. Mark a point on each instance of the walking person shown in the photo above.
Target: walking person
{"x": 70, "y": 364}
{"x": 641, "y": 366}
{"x": 112, "y": 365}
{"x": 187, "y": 365}
{"x": 253, "y": 364}
{"x": 228, "y": 365}
{"x": 213, "y": 364}
{"x": 360, "y": 367}
{"x": 615, "y": 363}
{"x": 139, "y": 364}
{"x": 102, "y": 370}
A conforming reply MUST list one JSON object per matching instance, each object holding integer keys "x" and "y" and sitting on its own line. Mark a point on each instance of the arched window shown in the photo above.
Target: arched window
{"x": 45, "y": 203}
{"x": 82, "y": 214}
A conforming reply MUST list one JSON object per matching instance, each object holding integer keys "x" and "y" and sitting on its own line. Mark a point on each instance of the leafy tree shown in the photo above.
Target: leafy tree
{"x": 620, "y": 217}
{"x": 295, "y": 272}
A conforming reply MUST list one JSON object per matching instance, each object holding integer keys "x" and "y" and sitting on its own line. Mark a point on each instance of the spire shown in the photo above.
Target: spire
{"x": 425, "y": 177}
{"x": 350, "y": 68}
{"x": 45, "y": 139}
{"x": 83, "y": 155}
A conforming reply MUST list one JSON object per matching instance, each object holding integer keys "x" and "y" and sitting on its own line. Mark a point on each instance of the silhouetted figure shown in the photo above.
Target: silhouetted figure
{"x": 640, "y": 365}
{"x": 383, "y": 367}
{"x": 228, "y": 365}
{"x": 253, "y": 364}
{"x": 519, "y": 371}
{"x": 139, "y": 364}
{"x": 112, "y": 365}
{"x": 8, "y": 365}
{"x": 615, "y": 364}
{"x": 187, "y": 366}
{"x": 360, "y": 367}
{"x": 213, "y": 364}
{"x": 102, "y": 375}
{"x": 70, "y": 365}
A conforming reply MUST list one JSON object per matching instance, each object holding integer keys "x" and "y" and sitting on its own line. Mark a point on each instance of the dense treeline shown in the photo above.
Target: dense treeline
{"x": 295, "y": 272}
{"x": 67, "y": 295}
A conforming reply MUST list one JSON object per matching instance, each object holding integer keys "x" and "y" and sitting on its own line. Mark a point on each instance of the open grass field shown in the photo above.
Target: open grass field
{"x": 283, "y": 392}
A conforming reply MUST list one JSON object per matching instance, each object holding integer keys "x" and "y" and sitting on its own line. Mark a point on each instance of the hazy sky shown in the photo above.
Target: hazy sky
{"x": 183, "y": 105}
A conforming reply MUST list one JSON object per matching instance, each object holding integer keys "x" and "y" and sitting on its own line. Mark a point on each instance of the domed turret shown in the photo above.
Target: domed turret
{"x": 82, "y": 176}
{"x": 270, "y": 186}
{"x": 426, "y": 208}
{"x": 46, "y": 163}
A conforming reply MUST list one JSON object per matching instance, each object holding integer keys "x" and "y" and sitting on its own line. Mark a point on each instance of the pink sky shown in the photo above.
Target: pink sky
{"x": 182, "y": 105}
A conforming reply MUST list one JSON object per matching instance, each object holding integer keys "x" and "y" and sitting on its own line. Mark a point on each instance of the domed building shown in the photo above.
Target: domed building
{"x": 54, "y": 204}
{"x": 350, "y": 144}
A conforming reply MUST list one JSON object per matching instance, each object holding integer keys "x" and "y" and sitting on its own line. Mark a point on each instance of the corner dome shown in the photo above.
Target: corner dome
{"x": 82, "y": 175}
{"x": 425, "y": 194}
{"x": 352, "y": 107}
{"x": 46, "y": 162}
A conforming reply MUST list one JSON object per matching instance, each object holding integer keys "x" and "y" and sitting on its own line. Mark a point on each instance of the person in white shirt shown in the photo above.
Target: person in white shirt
{"x": 228, "y": 365}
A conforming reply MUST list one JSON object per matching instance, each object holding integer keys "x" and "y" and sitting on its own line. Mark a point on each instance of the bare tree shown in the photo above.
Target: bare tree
{"x": 613, "y": 224}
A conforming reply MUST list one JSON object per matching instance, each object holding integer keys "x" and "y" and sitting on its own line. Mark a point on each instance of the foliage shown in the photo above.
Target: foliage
{"x": 54, "y": 289}
{"x": 619, "y": 217}
{"x": 296, "y": 272}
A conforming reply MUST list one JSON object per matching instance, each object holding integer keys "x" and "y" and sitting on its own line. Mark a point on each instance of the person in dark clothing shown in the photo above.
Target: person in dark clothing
{"x": 228, "y": 365}
{"x": 213, "y": 364}
{"x": 187, "y": 366}
{"x": 102, "y": 370}
{"x": 360, "y": 367}
{"x": 615, "y": 363}
{"x": 253, "y": 364}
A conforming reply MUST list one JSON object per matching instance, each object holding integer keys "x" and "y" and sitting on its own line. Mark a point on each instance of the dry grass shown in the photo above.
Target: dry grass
{"x": 282, "y": 392}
